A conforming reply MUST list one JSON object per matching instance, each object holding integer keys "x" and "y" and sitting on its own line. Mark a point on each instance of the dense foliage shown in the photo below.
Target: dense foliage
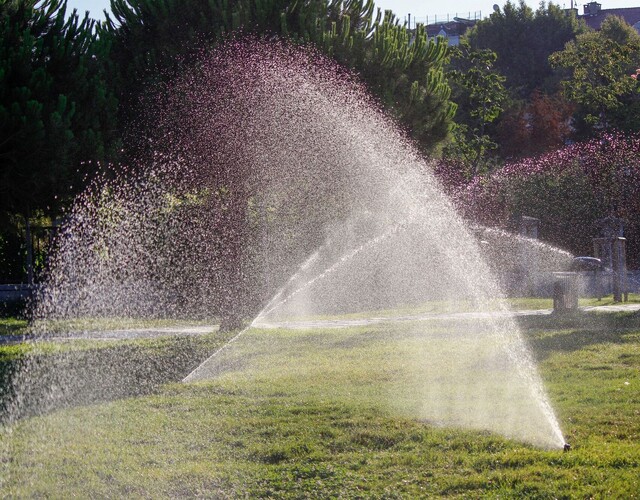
{"x": 479, "y": 91}
{"x": 600, "y": 65}
{"x": 510, "y": 86}
{"x": 537, "y": 125}
{"x": 153, "y": 40}
{"x": 54, "y": 104}
{"x": 525, "y": 83}
{"x": 55, "y": 109}
{"x": 569, "y": 190}
{"x": 523, "y": 40}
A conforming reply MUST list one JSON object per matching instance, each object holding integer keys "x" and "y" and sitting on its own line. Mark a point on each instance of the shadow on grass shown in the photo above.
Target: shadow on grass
{"x": 41, "y": 382}
{"x": 550, "y": 334}
{"x": 37, "y": 383}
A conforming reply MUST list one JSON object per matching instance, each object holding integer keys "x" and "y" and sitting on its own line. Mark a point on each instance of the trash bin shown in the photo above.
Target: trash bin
{"x": 565, "y": 292}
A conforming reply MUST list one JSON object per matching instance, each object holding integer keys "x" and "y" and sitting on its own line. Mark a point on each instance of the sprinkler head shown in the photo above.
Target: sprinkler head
{"x": 566, "y": 447}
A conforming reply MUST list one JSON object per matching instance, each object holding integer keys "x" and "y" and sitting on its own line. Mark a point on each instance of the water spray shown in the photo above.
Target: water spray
{"x": 267, "y": 122}
{"x": 202, "y": 367}
{"x": 275, "y": 303}
{"x": 343, "y": 260}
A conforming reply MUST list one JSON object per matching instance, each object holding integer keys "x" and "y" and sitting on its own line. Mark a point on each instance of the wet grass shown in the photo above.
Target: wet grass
{"x": 109, "y": 323}
{"x": 607, "y": 300}
{"x": 13, "y": 326}
{"x": 297, "y": 436}
{"x": 62, "y": 374}
{"x": 432, "y": 307}
{"x": 18, "y": 326}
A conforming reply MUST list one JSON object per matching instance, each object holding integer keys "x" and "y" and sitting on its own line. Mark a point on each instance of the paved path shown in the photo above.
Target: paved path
{"x": 614, "y": 308}
{"x": 120, "y": 334}
{"x": 337, "y": 323}
{"x": 189, "y": 331}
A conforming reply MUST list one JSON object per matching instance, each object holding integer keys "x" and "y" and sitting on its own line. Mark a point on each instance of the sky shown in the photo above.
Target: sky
{"x": 420, "y": 10}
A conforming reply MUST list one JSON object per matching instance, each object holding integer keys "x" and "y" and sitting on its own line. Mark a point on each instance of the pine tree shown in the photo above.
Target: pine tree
{"x": 153, "y": 40}
{"x": 55, "y": 109}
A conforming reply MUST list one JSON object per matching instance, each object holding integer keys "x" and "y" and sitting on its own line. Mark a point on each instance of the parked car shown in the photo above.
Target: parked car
{"x": 586, "y": 264}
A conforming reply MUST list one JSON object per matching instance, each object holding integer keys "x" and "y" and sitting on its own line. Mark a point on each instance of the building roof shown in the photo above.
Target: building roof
{"x": 451, "y": 28}
{"x": 594, "y": 19}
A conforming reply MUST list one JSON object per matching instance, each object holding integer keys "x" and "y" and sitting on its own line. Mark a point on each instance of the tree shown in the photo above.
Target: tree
{"x": 479, "y": 92}
{"x": 406, "y": 72}
{"x": 524, "y": 39}
{"x": 599, "y": 66}
{"x": 154, "y": 40}
{"x": 541, "y": 124}
{"x": 55, "y": 110}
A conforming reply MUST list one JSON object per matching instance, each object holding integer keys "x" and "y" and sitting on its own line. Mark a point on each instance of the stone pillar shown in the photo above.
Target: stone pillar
{"x": 610, "y": 248}
{"x": 528, "y": 228}
{"x": 611, "y": 227}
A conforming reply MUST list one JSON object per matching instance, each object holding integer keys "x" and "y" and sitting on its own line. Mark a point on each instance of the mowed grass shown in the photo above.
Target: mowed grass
{"x": 13, "y": 326}
{"x": 278, "y": 423}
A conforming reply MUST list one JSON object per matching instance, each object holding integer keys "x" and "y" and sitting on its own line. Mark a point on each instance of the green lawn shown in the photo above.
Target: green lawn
{"x": 13, "y": 326}
{"x": 330, "y": 413}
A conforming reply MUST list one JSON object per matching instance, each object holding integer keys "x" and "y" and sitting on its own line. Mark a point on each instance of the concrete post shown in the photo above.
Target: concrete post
{"x": 528, "y": 228}
{"x": 611, "y": 250}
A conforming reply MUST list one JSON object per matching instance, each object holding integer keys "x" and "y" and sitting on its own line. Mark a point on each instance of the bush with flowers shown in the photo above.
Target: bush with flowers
{"x": 569, "y": 190}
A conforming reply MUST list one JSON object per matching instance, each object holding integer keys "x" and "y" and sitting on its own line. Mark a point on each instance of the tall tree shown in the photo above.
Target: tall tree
{"x": 479, "y": 91}
{"x": 599, "y": 68}
{"x": 55, "y": 110}
{"x": 154, "y": 39}
{"x": 524, "y": 39}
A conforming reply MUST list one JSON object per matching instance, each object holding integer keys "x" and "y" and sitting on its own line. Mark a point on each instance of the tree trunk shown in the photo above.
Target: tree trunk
{"x": 233, "y": 290}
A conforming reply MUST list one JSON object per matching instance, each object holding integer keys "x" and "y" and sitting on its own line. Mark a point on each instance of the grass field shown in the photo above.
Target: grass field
{"x": 286, "y": 420}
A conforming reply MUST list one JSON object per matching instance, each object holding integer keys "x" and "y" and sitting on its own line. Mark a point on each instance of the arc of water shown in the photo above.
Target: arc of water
{"x": 534, "y": 242}
{"x": 194, "y": 374}
{"x": 270, "y": 305}
{"x": 274, "y": 303}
